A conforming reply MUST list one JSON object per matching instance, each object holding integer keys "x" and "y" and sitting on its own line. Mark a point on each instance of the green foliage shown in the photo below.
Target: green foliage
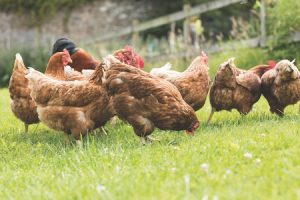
{"x": 283, "y": 20}
{"x": 36, "y": 58}
{"x": 217, "y": 22}
{"x": 38, "y": 11}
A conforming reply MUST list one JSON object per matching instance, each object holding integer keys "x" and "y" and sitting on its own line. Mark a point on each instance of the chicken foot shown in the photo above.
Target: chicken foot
{"x": 94, "y": 132}
{"x": 68, "y": 141}
{"x": 148, "y": 140}
{"x": 210, "y": 116}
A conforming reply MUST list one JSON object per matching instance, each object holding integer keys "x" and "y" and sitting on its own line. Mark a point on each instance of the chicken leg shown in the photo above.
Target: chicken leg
{"x": 67, "y": 139}
{"x": 26, "y": 130}
{"x": 210, "y": 116}
{"x": 103, "y": 130}
{"x": 114, "y": 121}
{"x": 78, "y": 143}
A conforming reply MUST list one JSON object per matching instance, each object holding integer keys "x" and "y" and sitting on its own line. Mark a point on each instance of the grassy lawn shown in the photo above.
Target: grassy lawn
{"x": 254, "y": 157}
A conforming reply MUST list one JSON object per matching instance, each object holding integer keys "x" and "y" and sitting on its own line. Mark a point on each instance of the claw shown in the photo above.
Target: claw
{"x": 149, "y": 140}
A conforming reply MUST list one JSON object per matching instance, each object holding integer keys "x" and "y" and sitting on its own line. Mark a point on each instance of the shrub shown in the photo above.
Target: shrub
{"x": 36, "y": 58}
{"x": 283, "y": 20}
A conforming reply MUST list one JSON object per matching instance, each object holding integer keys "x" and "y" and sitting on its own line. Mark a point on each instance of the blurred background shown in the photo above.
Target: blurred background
{"x": 253, "y": 31}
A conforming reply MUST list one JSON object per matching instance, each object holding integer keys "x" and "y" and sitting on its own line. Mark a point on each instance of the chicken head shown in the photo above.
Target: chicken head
{"x": 286, "y": 71}
{"x": 226, "y": 73}
{"x": 66, "y": 58}
{"x": 129, "y": 57}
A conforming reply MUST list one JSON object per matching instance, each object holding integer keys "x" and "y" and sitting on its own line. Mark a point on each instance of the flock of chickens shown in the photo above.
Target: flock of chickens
{"x": 78, "y": 94}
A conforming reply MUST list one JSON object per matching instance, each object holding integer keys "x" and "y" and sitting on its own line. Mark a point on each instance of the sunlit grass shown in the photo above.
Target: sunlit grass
{"x": 212, "y": 164}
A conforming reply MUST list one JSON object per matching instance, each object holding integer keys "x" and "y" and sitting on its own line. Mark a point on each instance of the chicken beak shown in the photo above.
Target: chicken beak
{"x": 70, "y": 60}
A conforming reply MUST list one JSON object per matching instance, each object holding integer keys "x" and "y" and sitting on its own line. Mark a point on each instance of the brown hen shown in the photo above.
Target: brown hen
{"x": 75, "y": 107}
{"x": 146, "y": 102}
{"x": 193, "y": 83}
{"x": 281, "y": 86}
{"x": 234, "y": 88}
{"x": 22, "y": 104}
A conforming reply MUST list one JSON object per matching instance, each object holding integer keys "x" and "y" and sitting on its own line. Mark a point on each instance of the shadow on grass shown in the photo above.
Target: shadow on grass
{"x": 122, "y": 134}
{"x": 251, "y": 118}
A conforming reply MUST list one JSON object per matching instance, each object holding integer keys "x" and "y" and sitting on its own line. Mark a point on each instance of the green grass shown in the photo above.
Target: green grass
{"x": 118, "y": 166}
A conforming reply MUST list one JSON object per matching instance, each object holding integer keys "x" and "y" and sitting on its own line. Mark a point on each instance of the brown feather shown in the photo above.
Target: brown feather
{"x": 147, "y": 102}
{"x": 22, "y": 105}
{"x": 234, "y": 88}
{"x": 281, "y": 86}
{"x": 83, "y": 60}
{"x": 75, "y": 107}
{"x": 193, "y": 83}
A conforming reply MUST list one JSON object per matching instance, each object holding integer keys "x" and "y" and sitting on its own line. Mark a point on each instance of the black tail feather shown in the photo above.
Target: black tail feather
{"x": 64, "y": 43}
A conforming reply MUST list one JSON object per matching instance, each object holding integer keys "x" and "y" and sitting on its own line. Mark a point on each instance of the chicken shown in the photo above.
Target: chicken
{"x": 145, "y": 101}
{"x": 125, "y": 55}
{"x": 165, "y": 72}
{"x": 75, "y": 107}
{"x": 234, "y": 88}
{"x": 129, "y": 57}
{"x": 193, "y": 83}
{"x": 81, "y": 59}
{"x": 22, "y": 104}
{"x": 281, "y": 86}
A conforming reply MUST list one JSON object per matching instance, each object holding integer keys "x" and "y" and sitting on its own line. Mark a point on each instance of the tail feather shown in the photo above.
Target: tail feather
{"x": 261, "y": 69}
{"x": 167, "y": 66}
{"x": 64, "y": 43}
{"x": 34, "y": 74}
{"x": 19, "y": 64}
{"x": 108, "y": 61}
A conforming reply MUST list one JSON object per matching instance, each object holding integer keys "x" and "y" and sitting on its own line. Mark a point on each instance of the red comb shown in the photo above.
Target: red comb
{"x": 128, "y": 48}
{"x": 272, "y": 63}
{"x": 128, "y": 56}
{"x": 140, "y": 61}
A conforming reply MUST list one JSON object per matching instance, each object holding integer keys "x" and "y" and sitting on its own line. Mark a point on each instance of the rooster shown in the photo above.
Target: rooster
{"x": 82, "y": 60}
{"x": 281, "y": 86}
{"x": 193, "y": 83}
{"x": 234, "y": 88}
{"x": 22, "y": 104}
{"x": 125, "y": 55}
{"x": 145, "y": 101}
